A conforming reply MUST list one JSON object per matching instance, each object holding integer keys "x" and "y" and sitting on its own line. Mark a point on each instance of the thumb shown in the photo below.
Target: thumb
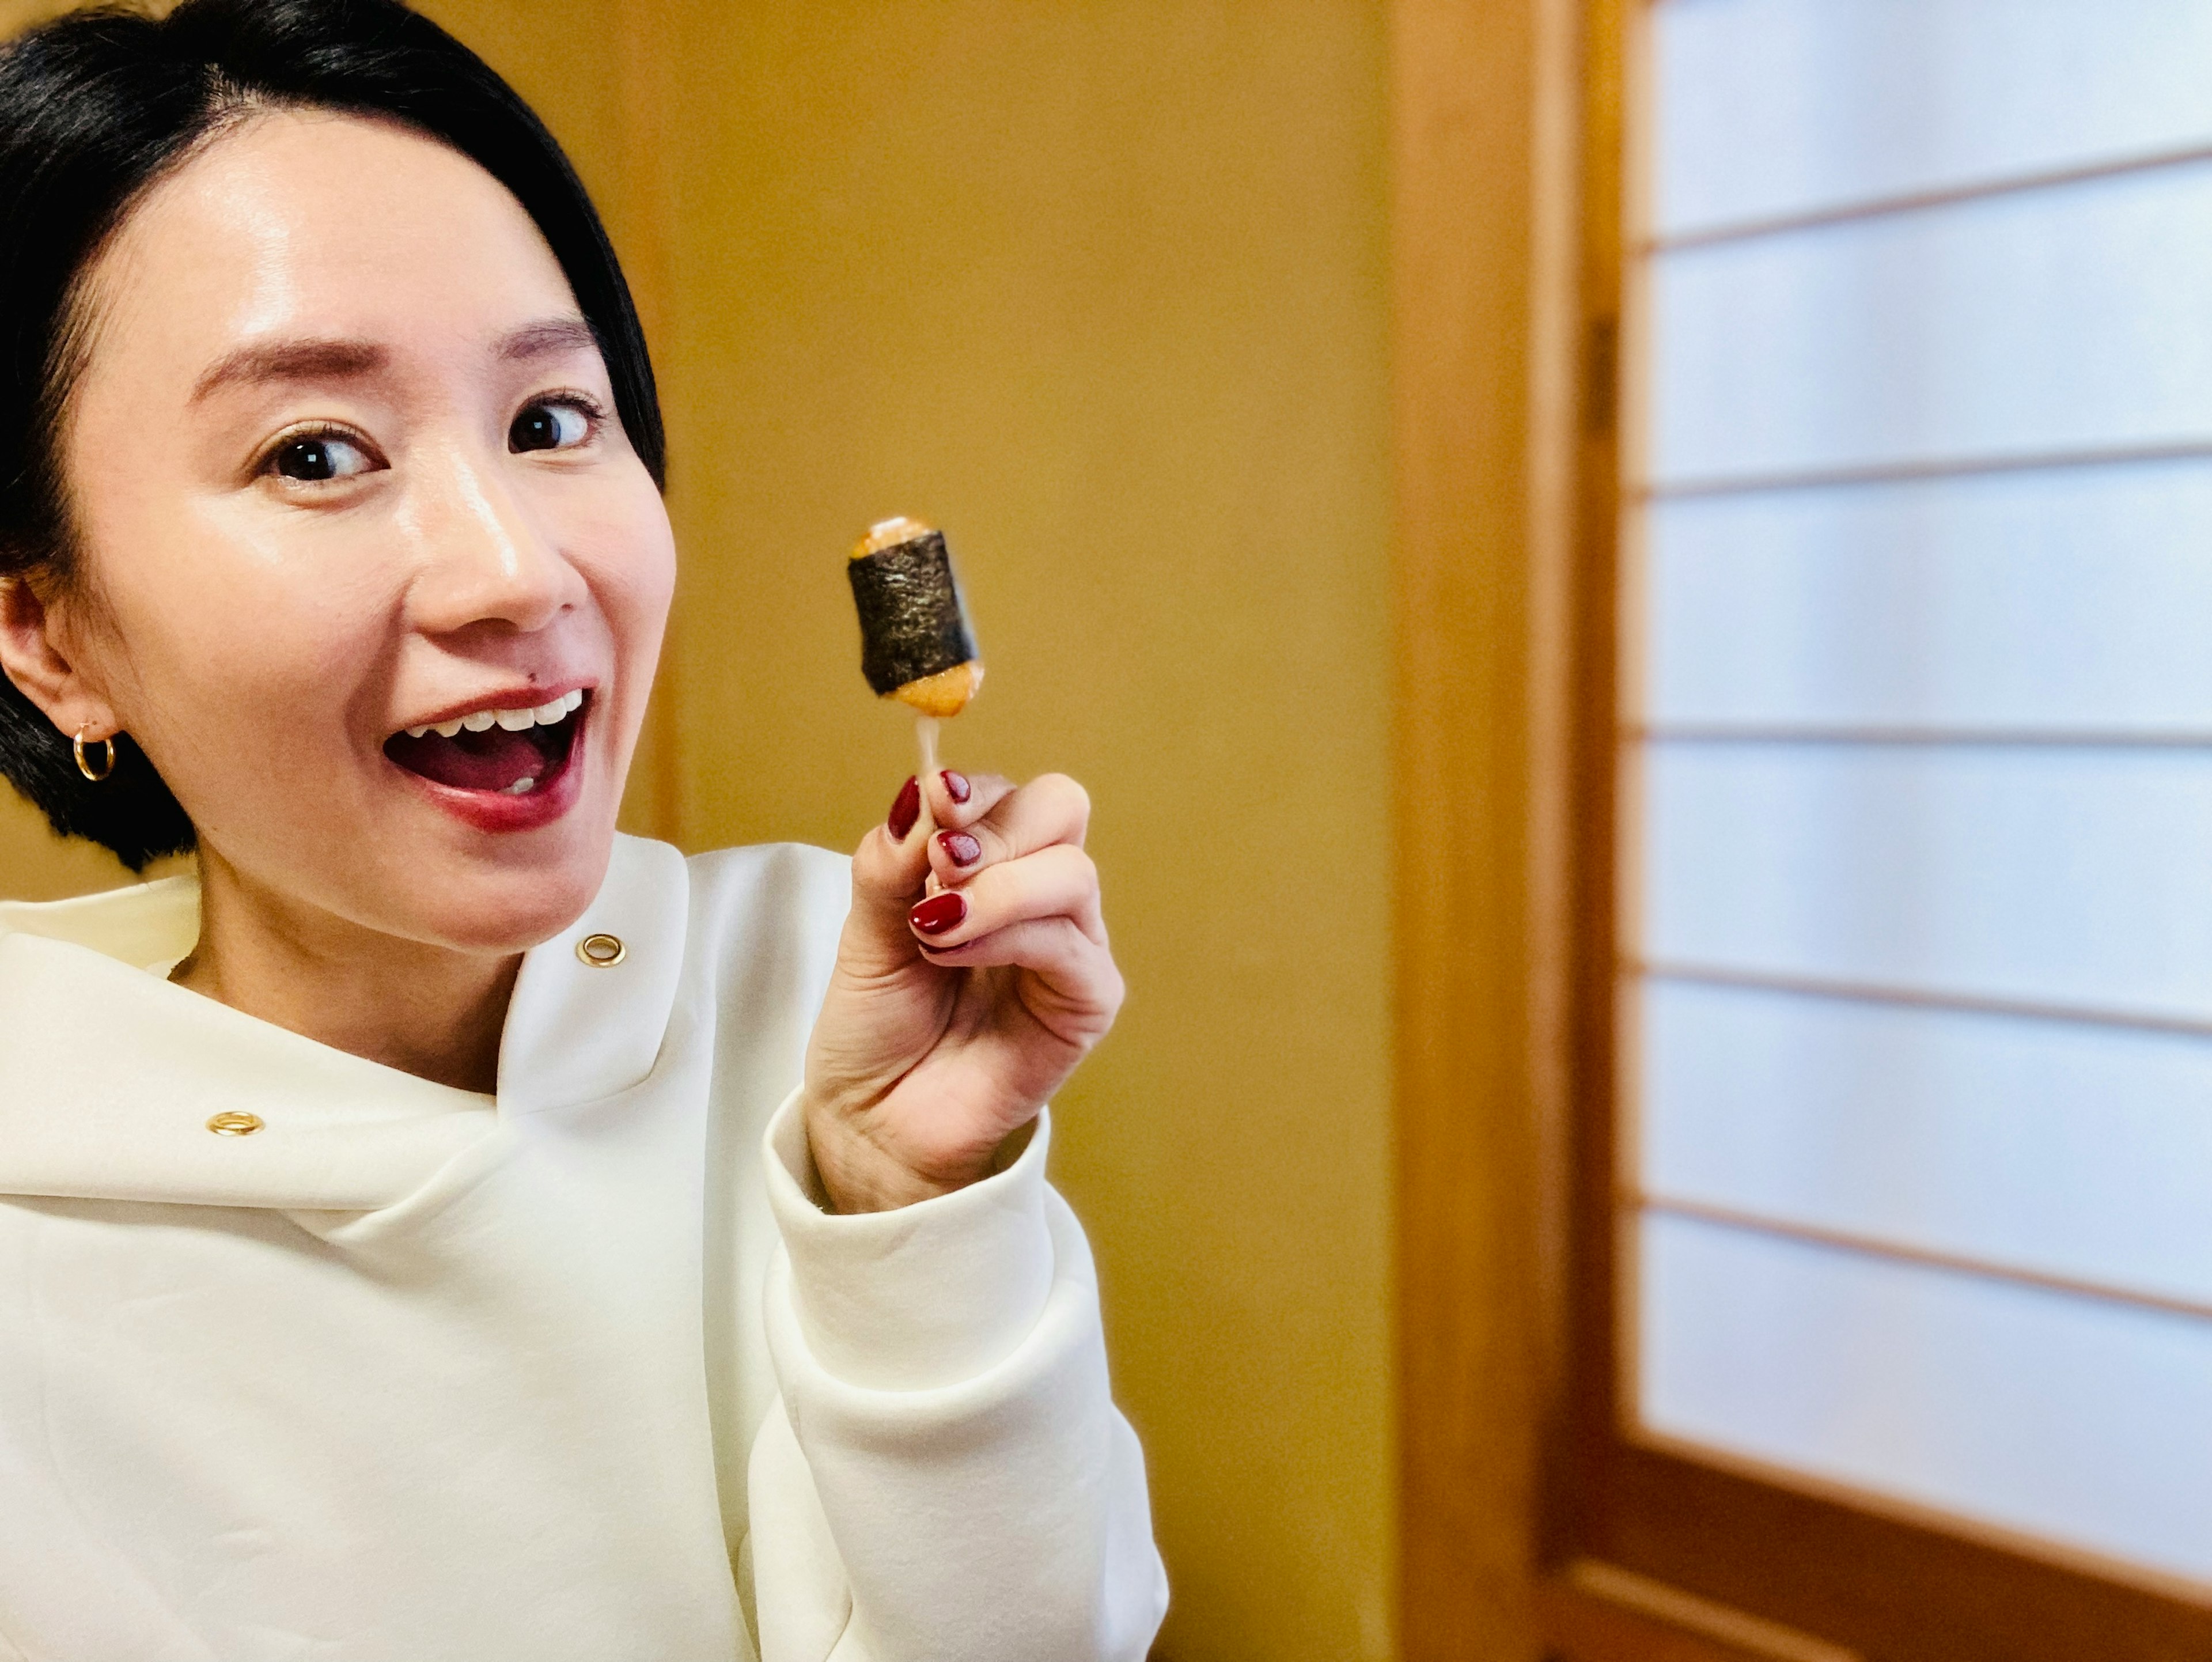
{"x": 890, "y": 872}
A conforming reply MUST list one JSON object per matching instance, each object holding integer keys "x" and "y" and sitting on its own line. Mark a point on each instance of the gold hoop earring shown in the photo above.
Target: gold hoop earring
{"x": 106, "y": 762}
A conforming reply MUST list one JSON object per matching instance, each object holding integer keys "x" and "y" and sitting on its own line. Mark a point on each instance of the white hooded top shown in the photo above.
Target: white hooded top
{"x": 569, "y": 1374}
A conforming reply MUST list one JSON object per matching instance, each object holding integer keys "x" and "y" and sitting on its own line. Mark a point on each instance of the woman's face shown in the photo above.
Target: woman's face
{"x": 347, "y": 471}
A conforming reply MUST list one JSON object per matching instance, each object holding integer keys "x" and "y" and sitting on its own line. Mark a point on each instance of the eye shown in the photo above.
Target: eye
{"x": 550, "y": 425}
{"x": 314, "y": 458}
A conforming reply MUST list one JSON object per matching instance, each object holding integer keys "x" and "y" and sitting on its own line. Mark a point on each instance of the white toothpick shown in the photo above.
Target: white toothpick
{"x": 925, "y": 730}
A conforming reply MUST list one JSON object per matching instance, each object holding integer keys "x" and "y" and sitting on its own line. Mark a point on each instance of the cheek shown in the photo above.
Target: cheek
{"x": 626, "y": 553}
{"x": 229, "y": 642}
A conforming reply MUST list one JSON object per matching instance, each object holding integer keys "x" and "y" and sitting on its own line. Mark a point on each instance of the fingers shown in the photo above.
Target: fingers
{"x": 1078, "y": 976}
{"x": 958, "y": 800}
{"x": 1012, "y": 855}
{"x": 1056, "y": 882}
{"x": 995, "y": 826}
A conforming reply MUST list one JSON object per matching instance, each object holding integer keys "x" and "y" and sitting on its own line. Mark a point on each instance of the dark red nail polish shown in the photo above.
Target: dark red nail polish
{"x": 956, "y": 785}
{"x": 904, "y": 811}
{"x": 939, "y": 913}
{"x": 960, "y": 848}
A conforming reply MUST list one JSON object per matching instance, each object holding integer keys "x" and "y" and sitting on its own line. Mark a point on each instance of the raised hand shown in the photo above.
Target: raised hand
{"x": 973, "y": 975}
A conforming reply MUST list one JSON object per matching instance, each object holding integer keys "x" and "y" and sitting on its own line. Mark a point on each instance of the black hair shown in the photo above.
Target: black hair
{"x": 95, "y": 108}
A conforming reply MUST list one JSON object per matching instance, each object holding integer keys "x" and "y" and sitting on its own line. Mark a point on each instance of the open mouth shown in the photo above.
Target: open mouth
{"x": 502, "y": 753}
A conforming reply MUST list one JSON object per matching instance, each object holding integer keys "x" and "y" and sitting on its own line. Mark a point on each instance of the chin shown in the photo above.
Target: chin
{"x": 509, "y": 904}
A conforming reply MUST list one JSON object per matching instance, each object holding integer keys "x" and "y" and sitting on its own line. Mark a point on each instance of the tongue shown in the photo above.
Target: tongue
{"x": 491, "y": 760}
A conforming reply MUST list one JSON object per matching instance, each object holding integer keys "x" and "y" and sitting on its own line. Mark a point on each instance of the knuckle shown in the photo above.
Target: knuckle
{"x": 1064, "y": 795}
{"x": 1078, "y": 869}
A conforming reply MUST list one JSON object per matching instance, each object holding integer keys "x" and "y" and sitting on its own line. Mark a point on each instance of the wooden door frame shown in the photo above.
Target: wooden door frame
{"x": 1506, "y": 180}
{"x": 1489, "y": 402}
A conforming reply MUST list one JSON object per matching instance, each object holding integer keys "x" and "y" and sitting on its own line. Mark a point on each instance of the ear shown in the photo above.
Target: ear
{"x": 33, "y": 653}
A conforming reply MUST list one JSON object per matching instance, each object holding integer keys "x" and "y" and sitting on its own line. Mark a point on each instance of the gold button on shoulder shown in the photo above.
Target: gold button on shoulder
{"x": 234, "y": 1124}
{"x": 601, "y": 952}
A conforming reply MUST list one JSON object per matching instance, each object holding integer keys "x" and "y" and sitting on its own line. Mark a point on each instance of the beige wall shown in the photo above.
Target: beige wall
{"x": 1101, "y": 287}
{"x": 36, "y": 865}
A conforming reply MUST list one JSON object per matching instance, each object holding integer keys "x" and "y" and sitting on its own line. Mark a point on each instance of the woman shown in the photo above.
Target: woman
{"x": 395, "y": 1272}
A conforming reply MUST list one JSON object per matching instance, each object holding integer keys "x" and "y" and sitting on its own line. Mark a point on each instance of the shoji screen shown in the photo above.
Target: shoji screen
{"x": 1919, "y": 965}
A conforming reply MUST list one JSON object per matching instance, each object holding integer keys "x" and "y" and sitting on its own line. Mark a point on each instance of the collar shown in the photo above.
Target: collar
{"x": 576, "y": 1031}
{"x": 109, "y": 1075}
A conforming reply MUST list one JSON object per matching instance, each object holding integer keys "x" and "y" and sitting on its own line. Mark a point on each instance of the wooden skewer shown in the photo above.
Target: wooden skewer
{"x": 925, "y": 729}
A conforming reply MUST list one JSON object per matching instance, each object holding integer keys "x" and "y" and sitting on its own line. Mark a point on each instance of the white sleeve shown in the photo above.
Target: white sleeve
{"x": 944, "y": 1474}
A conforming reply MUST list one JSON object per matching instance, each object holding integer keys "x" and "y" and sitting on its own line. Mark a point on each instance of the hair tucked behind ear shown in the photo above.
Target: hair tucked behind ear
{"x": 94, "y": 107}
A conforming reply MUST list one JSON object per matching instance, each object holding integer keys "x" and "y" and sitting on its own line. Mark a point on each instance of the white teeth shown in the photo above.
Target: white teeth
{"x": 513, "y": 721}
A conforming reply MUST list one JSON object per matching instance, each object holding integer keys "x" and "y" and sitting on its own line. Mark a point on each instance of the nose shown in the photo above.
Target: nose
{"x": 485, "y": 560}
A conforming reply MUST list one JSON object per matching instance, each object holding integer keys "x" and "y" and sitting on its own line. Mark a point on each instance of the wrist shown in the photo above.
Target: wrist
{"x": 853, "y": 1173}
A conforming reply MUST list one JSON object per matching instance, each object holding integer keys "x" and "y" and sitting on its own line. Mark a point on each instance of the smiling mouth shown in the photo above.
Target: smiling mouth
{"x": 502, "y": 753}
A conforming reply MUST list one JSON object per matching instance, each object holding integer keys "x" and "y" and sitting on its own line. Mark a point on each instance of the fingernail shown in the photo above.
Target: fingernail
{"x": 904, "y": 811}
{"x": 960, "y": 848}
{"x": 939, "y": 913}
{"x": 956, "y": 785}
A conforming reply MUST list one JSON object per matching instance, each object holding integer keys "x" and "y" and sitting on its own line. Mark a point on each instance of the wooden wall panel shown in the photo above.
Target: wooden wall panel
{"x": 1485, "y": 134}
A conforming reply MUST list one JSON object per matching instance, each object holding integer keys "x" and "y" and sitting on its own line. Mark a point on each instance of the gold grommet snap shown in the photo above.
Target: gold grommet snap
{"x": 601, "y": 952}
{"x": 234, "y": 1124}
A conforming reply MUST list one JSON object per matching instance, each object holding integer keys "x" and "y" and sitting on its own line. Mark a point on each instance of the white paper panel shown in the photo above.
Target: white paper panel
{"x": 2078, "y": 1151}
{"x": 2078, "y": 598}
{"x": 2077, "y": 1421}
{"x": 2049, "y": 321}
{"x": 2076, "y": 877}
{"x": 1776, "y": 106}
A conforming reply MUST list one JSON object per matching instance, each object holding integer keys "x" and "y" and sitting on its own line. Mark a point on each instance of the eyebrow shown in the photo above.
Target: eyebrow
{"x": 547, "y": 338}
{"x": 341, "y": 360}
{"x": 290, "y": 360}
